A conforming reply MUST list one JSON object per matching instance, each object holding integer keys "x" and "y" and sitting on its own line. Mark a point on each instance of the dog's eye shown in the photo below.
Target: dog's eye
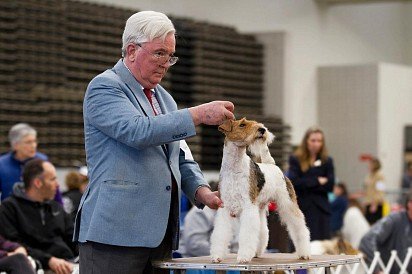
{"x": 242, "y": 125}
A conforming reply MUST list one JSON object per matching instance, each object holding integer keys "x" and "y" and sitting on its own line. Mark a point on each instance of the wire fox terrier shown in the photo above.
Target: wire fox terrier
{"x": 247, "y": 185}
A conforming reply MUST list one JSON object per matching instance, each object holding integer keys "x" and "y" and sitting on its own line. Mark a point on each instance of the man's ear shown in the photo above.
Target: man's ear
{"x": 226, "y": 126}
{"x": 36, "y": 183}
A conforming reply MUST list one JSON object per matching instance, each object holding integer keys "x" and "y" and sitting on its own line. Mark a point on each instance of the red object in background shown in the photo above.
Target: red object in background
{"x": 272, "y": 206}
{"x": 364, "y": 157}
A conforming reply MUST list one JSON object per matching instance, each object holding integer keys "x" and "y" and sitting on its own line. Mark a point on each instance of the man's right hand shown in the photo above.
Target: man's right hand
{"x": 60, "y": 266}
{"x": 213, "y": 113}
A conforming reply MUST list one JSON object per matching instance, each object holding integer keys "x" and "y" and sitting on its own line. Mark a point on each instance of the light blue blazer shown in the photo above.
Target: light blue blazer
{"x": 128, "y": 198}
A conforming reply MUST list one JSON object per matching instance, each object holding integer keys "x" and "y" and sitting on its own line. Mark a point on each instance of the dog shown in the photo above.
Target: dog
{"x": 247, "y": 185}
{"x": 335, "y": 246}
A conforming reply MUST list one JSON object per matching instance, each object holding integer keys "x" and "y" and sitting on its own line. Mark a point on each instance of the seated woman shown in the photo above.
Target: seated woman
{"x": 13, "y": 258}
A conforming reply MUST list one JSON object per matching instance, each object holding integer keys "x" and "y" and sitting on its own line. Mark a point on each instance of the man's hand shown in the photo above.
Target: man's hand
{"x": 205, "y": 196}
{"x": 20, "y": 249}
{"x": 60, "y": 266}
{"x": 213, "y": 113}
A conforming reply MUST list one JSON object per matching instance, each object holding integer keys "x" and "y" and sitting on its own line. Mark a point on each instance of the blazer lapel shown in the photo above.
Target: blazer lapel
{"x": 134, "y": 86}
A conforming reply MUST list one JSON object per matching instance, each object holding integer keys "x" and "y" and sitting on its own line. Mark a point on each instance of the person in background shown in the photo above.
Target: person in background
{"x": 23, "y": 142}
{"x": 76, "y": 182}
{"x": 13, "y": 258}
{"x": 355, "y": 225}
{"x": 312, "y": 173}
{"x": 32, "y": 218}
{"x": 392, "y": 232}
{"x": 406, "y": 181}
{"x": 374, "y": 191}
{"x": 338, "y": 207}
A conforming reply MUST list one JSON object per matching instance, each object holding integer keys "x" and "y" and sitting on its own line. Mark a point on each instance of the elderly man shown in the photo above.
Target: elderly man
{"x": 137, "y": 158}
{"x": 390, "y": 233}
{"x": 31, "y": 218}
{"x": 23, "y": 141}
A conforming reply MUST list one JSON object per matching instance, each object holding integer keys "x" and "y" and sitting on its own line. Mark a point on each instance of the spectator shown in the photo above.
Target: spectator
{"x": 312, "y": 174}
{"x": 355, "y": 224}
{"x": 374, "y": 187}
{"x": 32, "y": 218}
{"x": 407, "y": 180}
{"x": 13, "y": 258}
{"x": 390, "y": 233}
{"x": 23, "y": 141}
{"x": 338, "y": 207}
{"x": 76, "y": 183}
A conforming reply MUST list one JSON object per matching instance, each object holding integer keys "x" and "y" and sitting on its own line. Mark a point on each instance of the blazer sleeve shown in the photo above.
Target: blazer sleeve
{"x": 192, "y": 176}
{"x": 295, "y": 175}
{"x": 107, "y": 108}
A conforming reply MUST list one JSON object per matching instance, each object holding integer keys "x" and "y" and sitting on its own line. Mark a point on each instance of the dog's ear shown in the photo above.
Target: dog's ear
{"x": 226, "y": 126}
{"x": 243, "y": 120}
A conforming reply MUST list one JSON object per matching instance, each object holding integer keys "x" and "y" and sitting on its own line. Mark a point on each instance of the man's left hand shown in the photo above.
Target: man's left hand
{"x": 212, "y": 199}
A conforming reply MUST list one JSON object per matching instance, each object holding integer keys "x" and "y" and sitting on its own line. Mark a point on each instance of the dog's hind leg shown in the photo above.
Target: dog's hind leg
{"x": 221, "y": 235}
{"x": 249, "y": 233}
{"x": 293, "y": 218}
{"x": 263, "y": 233}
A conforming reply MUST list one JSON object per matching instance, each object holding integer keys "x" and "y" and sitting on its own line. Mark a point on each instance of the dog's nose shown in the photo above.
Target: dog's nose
{"x": 262, "y": 130}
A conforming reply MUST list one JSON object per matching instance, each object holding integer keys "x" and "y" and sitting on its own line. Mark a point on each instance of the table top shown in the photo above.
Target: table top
{"x": 269, "y": 261}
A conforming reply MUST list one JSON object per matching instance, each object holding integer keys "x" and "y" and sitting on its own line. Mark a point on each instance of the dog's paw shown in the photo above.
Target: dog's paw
{"x": 304, "y": 257}
{"x": 243, "y": 259}
{"x": 216, "y": 259}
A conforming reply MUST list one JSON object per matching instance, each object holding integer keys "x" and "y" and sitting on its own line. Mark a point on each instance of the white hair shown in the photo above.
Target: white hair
{"x": 19, "y": 131}
{"x": 145, "y": 26}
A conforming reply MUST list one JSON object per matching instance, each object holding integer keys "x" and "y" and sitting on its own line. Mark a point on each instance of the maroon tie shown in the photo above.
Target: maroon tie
{"x": 148, "y": 94}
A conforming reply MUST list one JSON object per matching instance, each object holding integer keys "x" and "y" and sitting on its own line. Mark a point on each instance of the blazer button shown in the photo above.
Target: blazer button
{"x": 168, "y": 188}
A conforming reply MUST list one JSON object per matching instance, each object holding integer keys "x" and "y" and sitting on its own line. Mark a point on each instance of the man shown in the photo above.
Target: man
{"x": 31, "y": 218}
{"x": 23, "y": 141}
{"x": 390, "y": 233}
{"x": 136, "y": 156}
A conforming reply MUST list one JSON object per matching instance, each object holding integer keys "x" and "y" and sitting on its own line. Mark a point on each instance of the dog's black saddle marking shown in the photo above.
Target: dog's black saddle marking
{"x": 260, "y": 178}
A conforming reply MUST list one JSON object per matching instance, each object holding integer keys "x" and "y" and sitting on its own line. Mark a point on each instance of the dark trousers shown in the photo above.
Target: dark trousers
{"x": 318, "y": 223}
{"x": 96, "y": 258}
{"x": 16, "y": 264}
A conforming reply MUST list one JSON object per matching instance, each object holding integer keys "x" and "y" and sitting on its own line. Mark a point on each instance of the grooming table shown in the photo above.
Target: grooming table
{"x": 269, "y": 263}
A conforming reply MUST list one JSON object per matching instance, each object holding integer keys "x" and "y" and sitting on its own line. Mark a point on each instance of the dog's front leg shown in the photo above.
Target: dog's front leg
{"x": 249, "y": 233}
{"x": 221, "y": 235}
{"x": 263, "y": 233}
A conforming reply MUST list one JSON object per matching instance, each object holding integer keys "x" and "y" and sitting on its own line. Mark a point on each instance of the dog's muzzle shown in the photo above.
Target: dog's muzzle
{"x": 261, "y": 131}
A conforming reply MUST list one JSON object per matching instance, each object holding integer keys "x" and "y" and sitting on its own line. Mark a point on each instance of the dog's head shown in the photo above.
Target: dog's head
{"x": 245, "y": 132}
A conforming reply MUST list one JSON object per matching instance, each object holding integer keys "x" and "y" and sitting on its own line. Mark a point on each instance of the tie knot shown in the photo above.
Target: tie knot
{"x": 147, "y": 92}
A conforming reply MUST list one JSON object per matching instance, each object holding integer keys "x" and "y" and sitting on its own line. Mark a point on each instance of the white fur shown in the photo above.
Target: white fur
{"x": 234, "y": 190}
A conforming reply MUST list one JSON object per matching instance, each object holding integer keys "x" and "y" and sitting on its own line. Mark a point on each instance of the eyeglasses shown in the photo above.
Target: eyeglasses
{"x": 162, "y": 57}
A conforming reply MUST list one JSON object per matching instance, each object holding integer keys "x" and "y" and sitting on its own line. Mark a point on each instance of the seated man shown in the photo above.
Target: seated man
{"x": 32, "y": 218}
{"x": 390, "y": 233}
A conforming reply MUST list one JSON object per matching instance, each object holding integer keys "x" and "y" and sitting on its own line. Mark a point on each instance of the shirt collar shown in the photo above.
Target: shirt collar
{"x": 152, "y": 89}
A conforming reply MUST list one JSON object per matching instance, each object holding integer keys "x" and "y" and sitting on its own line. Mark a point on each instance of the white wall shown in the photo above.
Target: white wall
{"x": 395, "y": 111}
{"x": 348, "y": 105}
{"x": 315, "y": 35}
{"x": 364, "y": 109}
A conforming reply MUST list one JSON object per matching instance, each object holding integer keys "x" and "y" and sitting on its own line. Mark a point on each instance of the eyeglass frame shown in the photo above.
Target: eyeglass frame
{"x": 171, "y": 58}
